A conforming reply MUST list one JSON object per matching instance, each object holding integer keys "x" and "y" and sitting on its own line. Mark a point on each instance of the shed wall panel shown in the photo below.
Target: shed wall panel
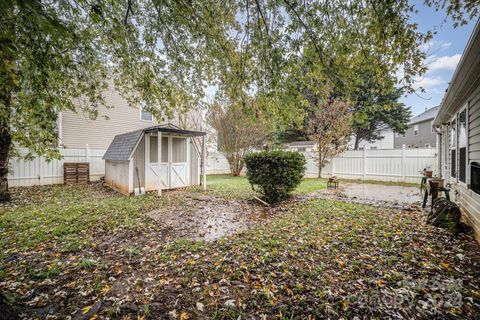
{"x": 116, "y": 175}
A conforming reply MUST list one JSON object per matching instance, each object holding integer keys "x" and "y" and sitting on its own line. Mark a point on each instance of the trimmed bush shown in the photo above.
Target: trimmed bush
{"x": 275, "y": 174}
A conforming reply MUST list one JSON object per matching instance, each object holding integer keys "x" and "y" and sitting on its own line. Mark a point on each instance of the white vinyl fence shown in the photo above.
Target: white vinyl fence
{"x": 40, "y": 172}
{"x": 401, "y": 165}
{"x": 217, "y": 163}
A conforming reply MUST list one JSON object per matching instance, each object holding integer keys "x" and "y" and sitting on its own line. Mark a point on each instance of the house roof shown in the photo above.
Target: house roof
{"x": 124, "y": 144}
{"x": 464, "y": 80}
{"x": 429, "y": 114}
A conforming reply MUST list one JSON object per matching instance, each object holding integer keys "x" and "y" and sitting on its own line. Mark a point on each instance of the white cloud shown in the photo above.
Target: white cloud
{"x": 443, "y": 63}
{"x": 433, "y": 46}
{"x": 431, "y": 84}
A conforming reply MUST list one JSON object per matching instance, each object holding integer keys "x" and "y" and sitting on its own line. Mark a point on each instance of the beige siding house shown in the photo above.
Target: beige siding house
{"x": 458, "y": 126}
{"x": 77, "y": 130}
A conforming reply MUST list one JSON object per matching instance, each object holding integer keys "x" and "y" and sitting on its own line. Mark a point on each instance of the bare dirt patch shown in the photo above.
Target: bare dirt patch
{"x": 204, "y": 217}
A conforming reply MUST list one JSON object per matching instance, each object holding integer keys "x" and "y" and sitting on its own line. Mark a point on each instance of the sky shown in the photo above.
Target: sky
{"x": 444, "y": 52}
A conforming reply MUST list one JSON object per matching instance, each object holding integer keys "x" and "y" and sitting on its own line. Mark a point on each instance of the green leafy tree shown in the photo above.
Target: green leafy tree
{"x": 164, "y": 52}
{"x": 377, "y": 110}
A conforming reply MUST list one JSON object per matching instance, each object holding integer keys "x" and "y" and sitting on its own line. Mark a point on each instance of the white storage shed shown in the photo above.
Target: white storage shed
{"x": 156, "y": 158}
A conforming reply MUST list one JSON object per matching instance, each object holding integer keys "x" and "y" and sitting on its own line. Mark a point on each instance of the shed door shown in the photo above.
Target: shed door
{"x": 179, "y": 165}
{"x": 153, "y": 167}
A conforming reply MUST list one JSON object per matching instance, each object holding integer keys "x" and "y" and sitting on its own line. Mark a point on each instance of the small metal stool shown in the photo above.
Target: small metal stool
{"x": 332, "y": 183}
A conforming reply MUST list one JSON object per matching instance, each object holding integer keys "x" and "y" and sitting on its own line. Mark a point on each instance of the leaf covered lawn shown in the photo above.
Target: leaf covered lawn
{"x": 100, "y": 256}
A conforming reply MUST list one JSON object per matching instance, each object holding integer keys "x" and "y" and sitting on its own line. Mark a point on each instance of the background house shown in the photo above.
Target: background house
{"x": 386, "y": 143}
{"x": 458, "y": 125}
{"x": 301, "y": 146}
{"x": 420, "y": 133}
{"x": 77, "y": 130}
{"x": 381, "y": 144}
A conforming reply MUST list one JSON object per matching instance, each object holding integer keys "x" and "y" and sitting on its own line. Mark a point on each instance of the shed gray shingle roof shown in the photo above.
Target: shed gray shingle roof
{"x": 424, "y": 116}
{"x": 122, "y": 146}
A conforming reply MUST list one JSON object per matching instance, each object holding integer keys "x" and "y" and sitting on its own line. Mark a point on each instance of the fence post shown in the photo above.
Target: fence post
{"x": 364, "y": 163}
{"x": 404, "y": 176}
{"x": 333, "y": 167}
{"x": 87, "y": 159}
{"x": 40, "y": 170}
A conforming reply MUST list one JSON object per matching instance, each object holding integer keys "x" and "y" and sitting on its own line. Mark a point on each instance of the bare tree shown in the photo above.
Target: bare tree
{"x": 329, "y": 125}
{"x": 237, "y": 131}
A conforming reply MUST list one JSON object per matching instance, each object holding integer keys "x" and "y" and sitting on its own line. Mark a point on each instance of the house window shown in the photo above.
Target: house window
{"x": 453, "y": 149}
{"x": 415, "y": 130}
{"x": 301, "y": 149}
{"x": 462, "y": 145}
{"x": 145, "y": 115}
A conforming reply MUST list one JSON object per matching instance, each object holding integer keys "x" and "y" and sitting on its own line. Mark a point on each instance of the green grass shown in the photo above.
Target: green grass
{"x": 239, "y": 188}
{"x": 68, "y": 217}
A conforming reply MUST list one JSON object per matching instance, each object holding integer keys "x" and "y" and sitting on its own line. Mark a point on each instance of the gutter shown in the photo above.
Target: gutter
{"x": 463, "y": 69}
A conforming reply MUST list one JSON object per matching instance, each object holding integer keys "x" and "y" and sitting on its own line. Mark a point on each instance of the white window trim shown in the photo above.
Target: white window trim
{"x": 457, "y": 147}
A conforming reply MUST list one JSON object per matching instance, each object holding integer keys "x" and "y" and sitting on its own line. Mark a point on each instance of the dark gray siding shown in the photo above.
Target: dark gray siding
{"x": 425, "y": 136}
{"x": 474, "y": 126}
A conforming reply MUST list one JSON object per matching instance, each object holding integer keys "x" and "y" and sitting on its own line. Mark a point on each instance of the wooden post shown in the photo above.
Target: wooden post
{"x": 159, "y": 162}
{"x": 170, "y": 161}
{"x": 188, "y": 161}
{"x": 204, "y": 166}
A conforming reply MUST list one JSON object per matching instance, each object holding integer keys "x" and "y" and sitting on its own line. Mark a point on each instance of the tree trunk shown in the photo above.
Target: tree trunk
{"x": 357, "y": 142}
{"x": 235, "y": 162}
{"x": 5, "y": 143}
{"x": 320, "y": 165}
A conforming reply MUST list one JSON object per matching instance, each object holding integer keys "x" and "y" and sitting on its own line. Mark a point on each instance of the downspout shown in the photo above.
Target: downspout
{"x": 439, "y": 150}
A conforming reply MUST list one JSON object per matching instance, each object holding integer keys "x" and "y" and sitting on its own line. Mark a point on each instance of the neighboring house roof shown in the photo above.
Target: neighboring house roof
{"x": 301, "y": 143}
{"x": 429, "y": 114}
{"x": 123, "y": 145}
{"x": 463, "y": 78}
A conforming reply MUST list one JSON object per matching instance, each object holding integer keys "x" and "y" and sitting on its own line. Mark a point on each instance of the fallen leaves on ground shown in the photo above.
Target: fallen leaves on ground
{"x": 99, "y": 257}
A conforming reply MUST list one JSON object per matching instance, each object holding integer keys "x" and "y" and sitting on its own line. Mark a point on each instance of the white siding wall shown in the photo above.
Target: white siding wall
{"x": 78, "y": 129}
